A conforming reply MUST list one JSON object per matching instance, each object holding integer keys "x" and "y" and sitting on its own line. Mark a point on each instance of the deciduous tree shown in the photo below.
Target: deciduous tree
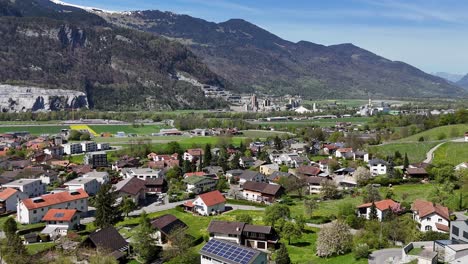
{"x": 334, "y": 239}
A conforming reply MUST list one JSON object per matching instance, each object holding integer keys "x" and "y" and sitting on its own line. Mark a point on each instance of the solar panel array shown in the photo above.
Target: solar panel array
{"x": 229, "y": 251}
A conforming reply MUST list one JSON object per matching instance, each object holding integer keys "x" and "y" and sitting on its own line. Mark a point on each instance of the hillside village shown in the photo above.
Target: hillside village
{"x": 303, "y": 197}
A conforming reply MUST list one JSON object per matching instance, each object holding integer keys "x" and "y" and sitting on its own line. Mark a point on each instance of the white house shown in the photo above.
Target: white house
{"x": 192, "y": 154}
{"x": 72, "y": 148}
{"x": 466, "y": 136}
{"x": 103, "y": 146}
{"x": 302, "y": 110}
{"x": 90, "y": 185}
{"x": 59, "y": 221}
{"x": 55, "y": 151}
{"x": 31, "y": 187}
{"x": 141, "y": 173}
{"x": 32, "y": 210}
{"x": 209, "y": 203}
{"x": 431, "y": 217}
{"x": 323, "y": 165}
{"x": 246, "y": 162}
{"x": 285, "y": 159}
{"x": 199, "y": 184}
{"x": 382, "y": 207}
{"x": 9, "y": 198}
{"x": 101, "y": 176}
{"x": 378, "y": 167}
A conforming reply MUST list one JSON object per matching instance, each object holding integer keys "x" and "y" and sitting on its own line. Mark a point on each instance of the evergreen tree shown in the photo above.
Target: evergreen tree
{"x": 278, "y": 143}
{"x": 242, "y": 147}
{"x": 373, "y": 212}
{"x": 223, "y": 159}
{"x": 282, "y": 256}
{"x": 207, "y": 157}
{"x": 143, "y": 242}
{"x": 107, "y": 213}
{"x": 10, "y": 227}
{"x": 406, "y": 161}
{"x": 234, "y": 163}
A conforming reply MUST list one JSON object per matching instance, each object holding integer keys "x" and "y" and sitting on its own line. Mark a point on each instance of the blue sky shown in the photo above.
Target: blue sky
{"x": 428, "y": 34}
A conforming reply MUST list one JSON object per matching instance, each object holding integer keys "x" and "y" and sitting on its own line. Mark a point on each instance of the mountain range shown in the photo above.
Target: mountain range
{"x": 452, "y": 77}
{"x": 132, "y": 60}
{"x": 463, "y": 82}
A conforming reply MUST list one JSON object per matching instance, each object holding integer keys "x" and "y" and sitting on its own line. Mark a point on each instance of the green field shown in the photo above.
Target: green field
{"x": 317, "y": 122}
{"x": 34, "y": 130}
{"x": 416, "y": 151}
{"x": 129, "y": 129}
{"x": 452, "y": 131}
{"x": 35, "y": 248}
{"x": 452, "y": 153}
{"x": 253, "y": 134}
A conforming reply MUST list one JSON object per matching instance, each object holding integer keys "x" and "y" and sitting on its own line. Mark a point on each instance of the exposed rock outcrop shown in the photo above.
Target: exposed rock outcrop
{"x": 25, "y": 98}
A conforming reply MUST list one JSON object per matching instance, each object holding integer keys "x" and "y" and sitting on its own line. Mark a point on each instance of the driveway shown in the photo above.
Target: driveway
{"x": 385, "y": 256}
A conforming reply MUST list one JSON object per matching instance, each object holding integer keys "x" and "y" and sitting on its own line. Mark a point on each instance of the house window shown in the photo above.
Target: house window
{"x": 455, "y": 230}
{"x": 205, "y": 257}
{"x": 440, "y": 220}
{"x": 428, "y": 228}
{"x": 465, "y": 234}
{"x": 261, "y": 245}
{"x": 34, "y": 211}
{"x": 428, "y": 219}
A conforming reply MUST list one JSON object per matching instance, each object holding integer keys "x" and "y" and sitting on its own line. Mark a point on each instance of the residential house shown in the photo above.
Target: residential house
{"x": 298, "y": 147}
{"x": 378, "y": 167}
{"x": 54, "y": 151}
{"x": 201, "y": 132}
{"x": 156, "y": 186}
{"x": 214, "y": 170}
{"x": 361, "y": 155}
{"x": 193, "y": 154}
{"x": 307, "y": 171}
{"x": 200, "y": 184}
{"x": 72, "y": 148}
{"x": 430, "y": 216}
{"x": 141, "y": 173}
{"x": 323, "y": 165}
{"x": 32, "y": 210}
{"x": 133, "y": 188}
{"x": 246, "y": 162}
{"x": 261, "y": 192}
{"x": 248, "y": 175}
{"x": 108, "y": 241}
{"x": 9, "y": 198}
{"x": 382, "y": 208}
{"x": 59, "y": 221}
{"x": 286, "y": 159}
{"x": 101, "y": 177}
{"x": 201, "y": 174}
{"x": 103, "y": 146}
{"x": 90, "y": 185}
{"x": 217, "y": 251}
{"x": 344, "y": 153}
{"x": 126, "y": 162}
{"x": 234, "y": 174}
{"x": 454, "y": 250}
{"x": 165, "y": 227}
{"x": 259, "y": 237}
{"x": 163, "y": 161}
{"x": 209, "y": 203}
{"x": 30, "y": 187}
{"x": 268, "y": 169}
{"x": 314, "y": 183}
{"x": 329, "y": 149}
{"x": 96, "y": 159}
{"x": 416, "y": 173}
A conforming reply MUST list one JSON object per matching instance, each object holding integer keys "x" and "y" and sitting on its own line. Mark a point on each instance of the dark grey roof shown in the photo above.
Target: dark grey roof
{"x": 374, "y": 162}
{"x": 249, "y": 175}
{"x": 224, "y": 227}
{"x": 167, "y": 223}
{"x": 264, "y": 188}
{"x": 108, "y": 238}
{"x": 258, "y": 229}
{"x": 277, "y": 174}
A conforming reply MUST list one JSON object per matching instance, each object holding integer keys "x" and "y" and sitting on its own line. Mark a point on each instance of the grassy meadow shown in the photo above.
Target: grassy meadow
{"x": 416, "y": 151}
{"x": 452, "y": 153}
{"x": 438, "y": 133}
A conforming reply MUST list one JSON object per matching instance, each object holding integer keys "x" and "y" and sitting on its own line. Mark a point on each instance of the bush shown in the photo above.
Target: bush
{"x": 355, "y": 222}
{"x": 179, "y": 208}
{"x": 44, "y": 237}
{"x": 320, "y": 219}
{"x": 441, "y": 136}
{"x": 361, "y": 251}
{"x": 421, "y": 139}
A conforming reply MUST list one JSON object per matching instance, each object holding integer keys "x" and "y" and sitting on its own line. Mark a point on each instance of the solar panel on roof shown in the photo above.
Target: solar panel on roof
{"x": 235, "y": 253}
{"x": 59, "y": 215}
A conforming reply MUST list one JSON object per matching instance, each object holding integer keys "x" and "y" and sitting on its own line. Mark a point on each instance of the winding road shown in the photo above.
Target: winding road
{"x": 430, "y": 153}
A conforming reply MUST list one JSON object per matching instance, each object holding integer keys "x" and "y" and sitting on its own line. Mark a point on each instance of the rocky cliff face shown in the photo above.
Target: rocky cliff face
{"x": 22, "y": 98}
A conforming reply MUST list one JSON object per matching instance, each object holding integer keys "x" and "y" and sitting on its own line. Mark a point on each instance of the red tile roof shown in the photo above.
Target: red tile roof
{"x": 442, "y": 227}
{"x": 345, "y": 150}
{"x": 212, "y": 198}
{"x": 59, "y": 215}
{"x": 308, "y": 170}
{"x": 416, "y": 171}
{"x": 195, "y": 152}
{"x": 425, "y": 208}
{"x": 7, "y": 193}
{"x": 56, "y": 198}
{"x": 197, "y": 173}
{"x": 381, "y": 205}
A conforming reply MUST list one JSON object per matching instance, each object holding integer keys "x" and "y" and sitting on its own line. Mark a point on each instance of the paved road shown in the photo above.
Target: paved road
{"x": 430, "y": 153}
{"x": 460, "y": 215}
{"x": 385, "y": 256}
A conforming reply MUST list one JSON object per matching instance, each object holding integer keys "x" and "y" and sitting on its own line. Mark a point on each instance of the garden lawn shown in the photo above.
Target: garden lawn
{"x": 451, "y": 131}
{"x": 35, "y": 248}
{"x": 416, "y": 151}
{"x": 34, "y": 130}
{"x": 302, "y": 250}
{"x": 452, "y": 153}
